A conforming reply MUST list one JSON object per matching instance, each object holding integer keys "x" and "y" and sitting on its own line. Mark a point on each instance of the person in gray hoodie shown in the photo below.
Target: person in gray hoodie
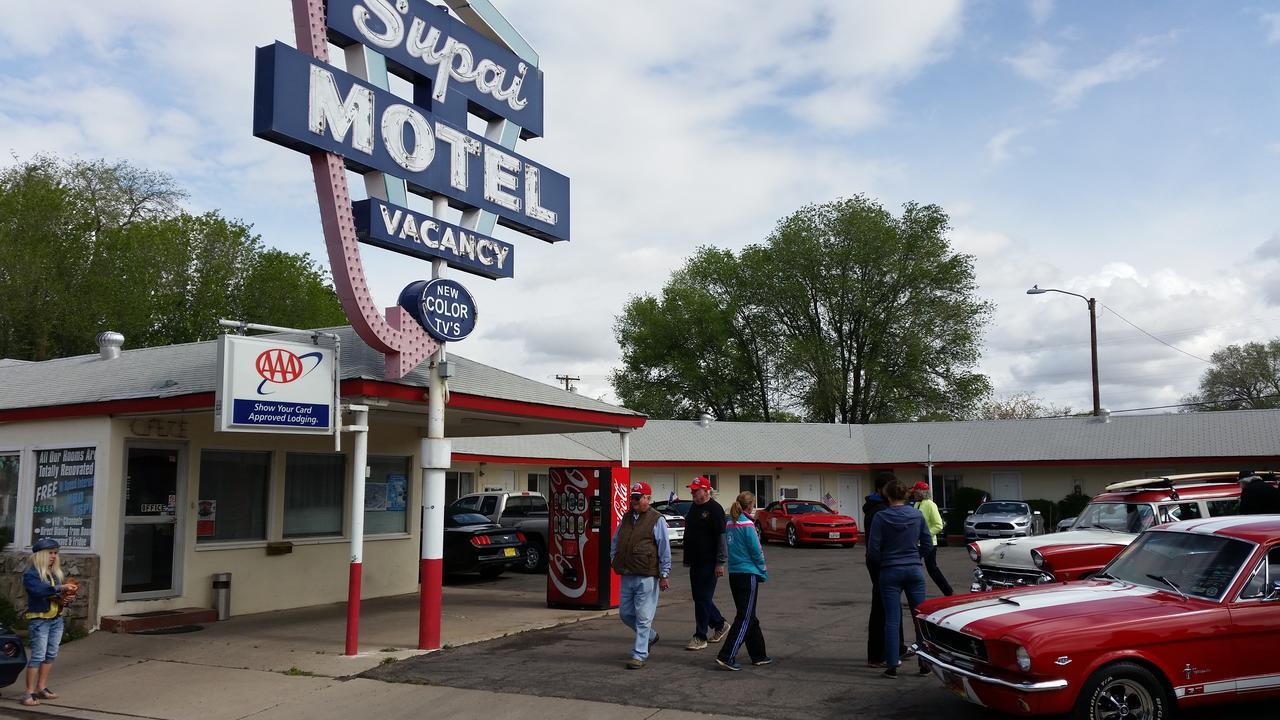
{"x": 897, "y": 534}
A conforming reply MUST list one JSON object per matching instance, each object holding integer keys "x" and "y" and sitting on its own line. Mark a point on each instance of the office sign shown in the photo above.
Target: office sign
{"x": 268, "y": 385}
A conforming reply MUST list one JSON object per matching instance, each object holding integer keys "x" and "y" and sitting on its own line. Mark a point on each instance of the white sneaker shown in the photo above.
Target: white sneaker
{"x": 696, "y": 643}
{"x": 716, "y": 636}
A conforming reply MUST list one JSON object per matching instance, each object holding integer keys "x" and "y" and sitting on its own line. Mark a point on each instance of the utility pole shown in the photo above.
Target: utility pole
{"x": 566, "y": 379}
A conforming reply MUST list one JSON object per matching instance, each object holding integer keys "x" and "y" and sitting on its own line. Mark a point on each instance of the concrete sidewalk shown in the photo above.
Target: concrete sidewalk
{"x": 289, "y": 664}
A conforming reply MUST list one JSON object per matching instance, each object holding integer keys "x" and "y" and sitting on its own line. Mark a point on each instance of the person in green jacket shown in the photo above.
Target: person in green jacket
{"x": 932, "y": 520}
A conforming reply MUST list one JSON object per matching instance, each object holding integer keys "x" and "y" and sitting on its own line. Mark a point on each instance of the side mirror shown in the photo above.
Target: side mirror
{"x": 1274, "y": 592}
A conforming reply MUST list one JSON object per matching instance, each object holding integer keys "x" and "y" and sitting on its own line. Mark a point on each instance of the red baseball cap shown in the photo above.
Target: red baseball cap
{"x": 921, "y": 486}
{"x": 700, "y": 483}
{"x": 641, "y": 487}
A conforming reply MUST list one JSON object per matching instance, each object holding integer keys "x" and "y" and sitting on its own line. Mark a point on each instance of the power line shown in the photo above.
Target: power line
{"x": 1153, "y": 337}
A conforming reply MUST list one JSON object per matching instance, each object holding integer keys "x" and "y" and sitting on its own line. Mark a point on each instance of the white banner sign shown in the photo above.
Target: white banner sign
{"x": 268, "y": 385}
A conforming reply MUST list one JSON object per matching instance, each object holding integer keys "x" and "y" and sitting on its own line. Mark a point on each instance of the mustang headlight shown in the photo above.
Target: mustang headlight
{"x": 970, "y": 523}
{"x": 1024, "y": 659}
{"x": 974, "y": 553}
{"x": 1021, "y": 522}
{"x": 1037, "y": 558}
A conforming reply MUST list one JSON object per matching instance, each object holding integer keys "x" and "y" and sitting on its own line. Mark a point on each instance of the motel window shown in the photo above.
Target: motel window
{"x": 233, "y": 496}
{"x": 386, "y": 494}
{"x": 457, "y": 484}
{"x": 761, "y": 485}
{"x": 949, "y": 486}
{"x": 539, "y": 483}
{"x": 313, "y": 492}
{"x": 715, "y": 482}
{"x": 8, "y": 496}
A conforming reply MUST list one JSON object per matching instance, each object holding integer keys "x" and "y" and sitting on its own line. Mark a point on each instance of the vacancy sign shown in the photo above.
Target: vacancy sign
{"x": 267, "y": 385}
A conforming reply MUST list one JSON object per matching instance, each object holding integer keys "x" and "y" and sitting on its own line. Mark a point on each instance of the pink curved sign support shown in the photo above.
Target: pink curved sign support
{"x": 401, "y": 340}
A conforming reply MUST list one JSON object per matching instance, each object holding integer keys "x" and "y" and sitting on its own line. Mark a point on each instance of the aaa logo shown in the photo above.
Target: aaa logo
{"x": 278, "y": 366}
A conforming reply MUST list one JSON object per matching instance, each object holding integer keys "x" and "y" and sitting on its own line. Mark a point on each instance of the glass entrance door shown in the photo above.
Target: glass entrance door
{"x": 148, "y": 566}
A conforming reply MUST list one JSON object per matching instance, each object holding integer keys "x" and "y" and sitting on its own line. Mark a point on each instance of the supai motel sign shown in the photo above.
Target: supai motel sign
{"x": 308, "y": 105}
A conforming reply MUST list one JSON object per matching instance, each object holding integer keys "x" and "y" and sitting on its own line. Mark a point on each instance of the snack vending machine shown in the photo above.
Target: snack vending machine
{"x": 586, "y": 505}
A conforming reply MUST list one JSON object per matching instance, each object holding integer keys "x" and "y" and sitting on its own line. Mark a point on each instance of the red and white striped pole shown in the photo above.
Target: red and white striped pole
{"x": 359, "y": 463}
{"x": 436, "y": 456}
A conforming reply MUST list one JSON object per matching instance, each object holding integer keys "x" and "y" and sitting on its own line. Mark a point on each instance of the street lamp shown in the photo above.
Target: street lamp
{"x": 1093, "y": 335}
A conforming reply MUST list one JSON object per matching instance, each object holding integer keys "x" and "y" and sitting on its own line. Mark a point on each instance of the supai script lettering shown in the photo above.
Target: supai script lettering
{"x": 450, "y": 58}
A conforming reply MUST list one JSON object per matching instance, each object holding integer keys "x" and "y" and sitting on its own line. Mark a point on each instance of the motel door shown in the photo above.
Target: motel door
{"x": 149, "y": 555}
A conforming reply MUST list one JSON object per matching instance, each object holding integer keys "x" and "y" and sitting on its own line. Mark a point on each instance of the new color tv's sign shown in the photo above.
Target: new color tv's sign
{"x": 266, "y": 385}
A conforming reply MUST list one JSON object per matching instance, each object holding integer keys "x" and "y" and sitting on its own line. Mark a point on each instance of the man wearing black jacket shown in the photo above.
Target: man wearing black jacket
{"x": 706, "y": 555}
{"x": 875, "y": 623}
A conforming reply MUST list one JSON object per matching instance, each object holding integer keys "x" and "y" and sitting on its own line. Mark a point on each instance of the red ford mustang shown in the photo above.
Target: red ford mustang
{"x": 805, "y": 521}
{"x": 1187, "y": 615}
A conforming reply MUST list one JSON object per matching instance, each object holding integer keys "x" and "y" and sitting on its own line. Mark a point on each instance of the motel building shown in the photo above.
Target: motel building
{"x": 116, "y": 456}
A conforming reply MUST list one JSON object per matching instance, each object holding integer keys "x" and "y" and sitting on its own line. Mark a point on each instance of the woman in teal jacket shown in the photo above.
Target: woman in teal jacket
{"x": 746, "y": 572}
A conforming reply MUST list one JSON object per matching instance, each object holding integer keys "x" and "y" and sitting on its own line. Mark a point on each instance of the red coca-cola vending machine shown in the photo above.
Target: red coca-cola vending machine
{"x": 586, "y": 506}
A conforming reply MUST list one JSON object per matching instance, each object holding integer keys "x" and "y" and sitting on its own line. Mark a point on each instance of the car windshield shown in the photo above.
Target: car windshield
{"x": 1117, "y": 517}
{"x": 1002, "y": 508}
{"x": 679, "y": 507}
{"x": 458, "y": 519}
{"x": 1193, "y": 564}
{"x": 797, "y": 508}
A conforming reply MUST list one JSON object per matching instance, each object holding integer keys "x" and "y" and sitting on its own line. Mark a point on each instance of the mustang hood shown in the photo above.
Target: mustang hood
{"x": 824, "y": 518}
{"x": 1016, "y": 552}
{"x": 1100, "y": 601}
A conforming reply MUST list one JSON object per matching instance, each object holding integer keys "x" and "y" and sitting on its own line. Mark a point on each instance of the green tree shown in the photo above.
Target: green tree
{"x": 1021, "y": 405}
{"x": 1240, "y": 377}
{"x": 695, "y": 348}
{"x": 844, "y": 314}
{"x": 90, "y": 246}
{"x": 875, "y": 318}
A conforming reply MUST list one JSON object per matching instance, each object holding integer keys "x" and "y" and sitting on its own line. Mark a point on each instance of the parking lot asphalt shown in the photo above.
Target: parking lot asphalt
{"x": 813, "y": 611}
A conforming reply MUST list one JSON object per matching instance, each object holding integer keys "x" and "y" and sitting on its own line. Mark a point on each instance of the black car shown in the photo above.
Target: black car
{"x": 13, "y": 657}
{"x": 473, "y": 544}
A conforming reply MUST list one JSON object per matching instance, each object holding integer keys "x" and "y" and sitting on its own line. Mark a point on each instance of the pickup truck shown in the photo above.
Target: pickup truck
{"x": 525, "y": 511}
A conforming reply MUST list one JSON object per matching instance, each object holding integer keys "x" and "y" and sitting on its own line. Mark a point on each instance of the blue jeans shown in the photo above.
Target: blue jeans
{"x": 637, "y": 604}
{"x": 893, "y": 581}
{"x": 45, "y": 635}
{"x": 702, "y": 579}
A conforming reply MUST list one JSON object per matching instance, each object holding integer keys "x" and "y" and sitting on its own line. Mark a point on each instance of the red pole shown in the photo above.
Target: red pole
{"x": 432, "y": 570}
{"x": 353, "y": 609}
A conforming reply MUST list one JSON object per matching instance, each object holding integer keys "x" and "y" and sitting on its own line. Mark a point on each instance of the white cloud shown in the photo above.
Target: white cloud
{"x": 1119, "y": 66}
{"x": 998, "y": 147}
{"x": 1271, "y": 23}
{"x": 1040, "y": 11}
{"x": 1038, "y": 62}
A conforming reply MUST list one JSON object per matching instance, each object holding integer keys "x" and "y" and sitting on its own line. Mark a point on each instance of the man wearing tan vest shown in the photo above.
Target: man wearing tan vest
{"x": 641, "y": 554}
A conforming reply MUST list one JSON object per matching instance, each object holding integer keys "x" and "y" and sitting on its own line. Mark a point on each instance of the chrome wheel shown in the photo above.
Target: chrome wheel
{"x": 1123, "y": 699}
{"x": 533, "y": 557}
{"x": 791, "y": 535}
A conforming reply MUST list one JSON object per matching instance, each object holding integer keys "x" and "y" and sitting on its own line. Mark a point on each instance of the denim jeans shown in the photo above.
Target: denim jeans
{"x": 637, "y": 604}
{"x": 702, "y": 579}
{"x": 893, "y": 581}
{"x": 45, "y": 635}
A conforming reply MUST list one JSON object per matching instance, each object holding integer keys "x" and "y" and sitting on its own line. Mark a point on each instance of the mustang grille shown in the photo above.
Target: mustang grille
{"x": 994, "y": 526}
{"x": 956, "y": 642}
{"x": 1006, "y": 577}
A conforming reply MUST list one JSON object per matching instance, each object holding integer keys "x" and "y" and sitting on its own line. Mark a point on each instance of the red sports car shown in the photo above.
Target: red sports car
{"x": 1187, "y": 615}
{"x": 805, "y": 521}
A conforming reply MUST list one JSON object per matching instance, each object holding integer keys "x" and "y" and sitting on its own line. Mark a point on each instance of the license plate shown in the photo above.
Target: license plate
{"x": 833, "y": 535}
{"x": 509, "y": 552}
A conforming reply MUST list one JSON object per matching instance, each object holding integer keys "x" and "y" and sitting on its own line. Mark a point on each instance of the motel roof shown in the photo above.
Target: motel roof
{"x": 1237, "y": 435}
{"x": 184, "y": 377}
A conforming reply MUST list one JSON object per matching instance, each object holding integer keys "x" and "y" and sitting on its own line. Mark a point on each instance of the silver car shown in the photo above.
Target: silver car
{"x": 1002, "y": 519}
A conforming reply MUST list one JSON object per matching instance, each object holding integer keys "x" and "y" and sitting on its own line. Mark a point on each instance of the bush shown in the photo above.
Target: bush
{"x": 10, "y": 617}
{"x": 965, "y": 499}
{"x": 1071, "y": 506}
{"x": 1048, "y": 510}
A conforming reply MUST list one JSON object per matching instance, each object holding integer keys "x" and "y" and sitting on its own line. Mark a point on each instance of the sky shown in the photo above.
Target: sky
{"x": 1123, "y": 151}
